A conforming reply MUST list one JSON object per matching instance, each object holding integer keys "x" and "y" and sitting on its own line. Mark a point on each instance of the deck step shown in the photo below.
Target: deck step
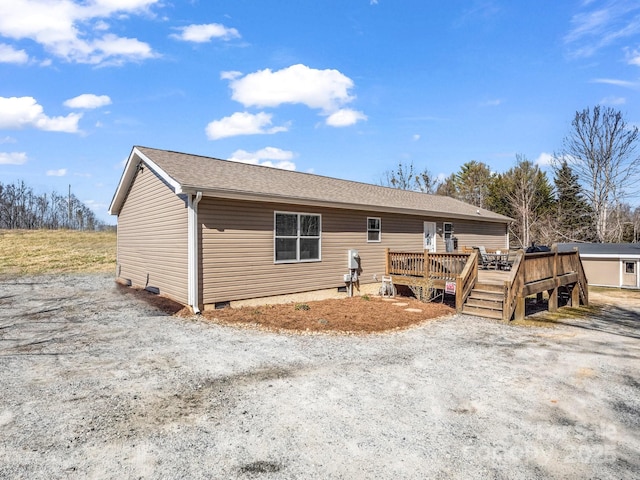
{"x": 486, "y": 295}
{"x": 482, "y": 312}
{"x": 489, "y": 287}
{"x": 485, "y": 302}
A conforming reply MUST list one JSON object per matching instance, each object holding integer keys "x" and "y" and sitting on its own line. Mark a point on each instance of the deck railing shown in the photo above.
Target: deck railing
{"x": 466, "y": 280}
{"x": 458, "y": 268}
{"x": 513, "y": 287}
{"x": 533, "y": 273}
{"x": 530, "y": 274}
{"x": 438, "y": 266}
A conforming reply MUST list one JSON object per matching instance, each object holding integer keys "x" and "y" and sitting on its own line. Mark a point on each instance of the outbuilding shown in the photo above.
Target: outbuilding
{"x": 609, "y": 264}
{"x": 205, "y": 231}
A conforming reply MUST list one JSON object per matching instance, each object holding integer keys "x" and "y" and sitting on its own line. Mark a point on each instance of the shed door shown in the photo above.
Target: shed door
{"x": 629, "y": 273}
{"x": 430, "y": 236}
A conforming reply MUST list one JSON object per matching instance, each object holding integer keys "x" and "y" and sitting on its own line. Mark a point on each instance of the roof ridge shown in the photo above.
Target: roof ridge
{"x": 316, "y": 175}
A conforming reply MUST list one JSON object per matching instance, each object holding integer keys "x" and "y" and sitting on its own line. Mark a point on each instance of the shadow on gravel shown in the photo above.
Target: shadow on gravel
{"x": 613, "y": 320}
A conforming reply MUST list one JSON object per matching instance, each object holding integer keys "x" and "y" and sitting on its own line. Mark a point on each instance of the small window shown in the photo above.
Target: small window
{"x": 630, "y": 267}
{"x": 374, "y": 229}
{"x": 448, "y": 230}
{"x": 297, "y": 237}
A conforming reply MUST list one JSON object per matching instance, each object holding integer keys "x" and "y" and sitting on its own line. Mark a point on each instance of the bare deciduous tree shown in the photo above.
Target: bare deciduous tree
{"x": 20, "y": 207}
{"x": 529, "y": 195}
{"x": 601, "y": 149}
{"x": 405, "y": 177}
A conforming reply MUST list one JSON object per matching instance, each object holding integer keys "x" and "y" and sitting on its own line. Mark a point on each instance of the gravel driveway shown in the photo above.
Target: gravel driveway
{"x": 96, "y": 383}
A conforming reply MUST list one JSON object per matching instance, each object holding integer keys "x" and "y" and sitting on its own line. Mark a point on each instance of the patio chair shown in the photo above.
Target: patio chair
{"x": 486, "y": 262}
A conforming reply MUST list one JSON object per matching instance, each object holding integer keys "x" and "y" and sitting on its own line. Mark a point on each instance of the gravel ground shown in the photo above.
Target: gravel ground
{"x": 98, "y": 384}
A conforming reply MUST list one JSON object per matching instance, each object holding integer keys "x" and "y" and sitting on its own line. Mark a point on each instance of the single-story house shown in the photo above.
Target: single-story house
{"x": 206, "y": 232}
{"x": 609, "y": 264}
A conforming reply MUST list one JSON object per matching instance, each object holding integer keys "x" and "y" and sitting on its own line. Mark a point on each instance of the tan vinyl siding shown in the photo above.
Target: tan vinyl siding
{"x": 474, "y": 234}
{"x": 152, "y": 237}
{"x": 238, "y": 248}
{"x": 602, "y": 271}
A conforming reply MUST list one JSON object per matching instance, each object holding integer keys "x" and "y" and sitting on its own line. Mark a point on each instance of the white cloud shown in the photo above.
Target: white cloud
{"x": 415, "y": 137}
{"x": 88, "y": 101}
{"x": 601, "y": 26}
{"x": 13, "y": 158}
{"x": 21, "y": 112}
{"x": 492, "y": 103}
{"x": 266, "y": 157}
{"x": 611, "y": 100}
{"x": 75, "y": 30}
{"x": 327, "y": 89}
{"x": 8, "y": 139}
{"x": 617, "y": 83}
{"x": 633, "y": 56}
{"x": 242, "y": 123}
{"x": 8, "y": 54}
{"x": 61, "y": 172}
{"x": 544, "y": 159}
{"x": 230, "y": 75}
{"x": 345, "y": 117}
{"x": 204, "y": 33}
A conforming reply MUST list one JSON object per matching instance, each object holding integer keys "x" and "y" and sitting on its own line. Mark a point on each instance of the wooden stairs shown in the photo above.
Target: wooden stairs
{"x": 485, "y": 300}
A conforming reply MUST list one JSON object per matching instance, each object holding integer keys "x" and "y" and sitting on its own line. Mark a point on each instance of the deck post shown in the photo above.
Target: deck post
{"x": 458, "y": 293}
{"x": 387, "y": 261}
{"x": 520, "y": 308}
{"x": 575, "y": 295}
{"x": 426, "y": 263}
{"x": 553, "y": 299}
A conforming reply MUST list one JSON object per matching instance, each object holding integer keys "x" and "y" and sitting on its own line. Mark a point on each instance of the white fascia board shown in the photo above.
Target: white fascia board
{"x": 177, "y": 188}
{"x": 123, "y": 185}
{"x": 615, "y": 256}
{"x": 130, "y": 169}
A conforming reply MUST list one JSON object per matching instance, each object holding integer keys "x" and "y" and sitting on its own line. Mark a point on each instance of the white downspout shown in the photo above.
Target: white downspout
{"x": 192, "y": 239}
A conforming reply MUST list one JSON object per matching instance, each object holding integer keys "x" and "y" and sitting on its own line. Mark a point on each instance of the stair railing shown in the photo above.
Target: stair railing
{"x": 466, "y": 280}
{"x": 513, "y": 287}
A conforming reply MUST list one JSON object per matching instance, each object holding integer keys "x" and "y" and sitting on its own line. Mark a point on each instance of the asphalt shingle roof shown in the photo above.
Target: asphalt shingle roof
{"x": 216, "y": 177}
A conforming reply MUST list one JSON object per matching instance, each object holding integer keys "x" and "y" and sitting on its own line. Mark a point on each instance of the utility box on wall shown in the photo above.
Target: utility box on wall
{"x": 353, "y": 262}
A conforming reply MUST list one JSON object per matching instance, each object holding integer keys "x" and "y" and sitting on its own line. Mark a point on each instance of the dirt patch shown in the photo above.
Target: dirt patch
{"x": 344, "y": 315}
{"x": 348, "y": 315}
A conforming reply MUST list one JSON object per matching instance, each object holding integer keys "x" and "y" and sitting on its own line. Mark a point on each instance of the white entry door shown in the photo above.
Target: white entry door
{"x": 430, "y": 236}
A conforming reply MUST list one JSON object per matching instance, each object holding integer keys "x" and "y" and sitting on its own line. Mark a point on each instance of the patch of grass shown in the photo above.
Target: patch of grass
{"x": 29, "y": 252}
{"x": 366, "y": 297}
{"x": 302, "y": 306}
{"x": 549, "y": 319}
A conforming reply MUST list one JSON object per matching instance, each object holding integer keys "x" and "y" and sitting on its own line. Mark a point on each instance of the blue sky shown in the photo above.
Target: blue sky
{"x": 344, "y": 88}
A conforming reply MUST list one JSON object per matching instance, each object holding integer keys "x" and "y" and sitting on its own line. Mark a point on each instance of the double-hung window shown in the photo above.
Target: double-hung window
{"x": 297, "y": 237}
{"x": 374, "y": 229}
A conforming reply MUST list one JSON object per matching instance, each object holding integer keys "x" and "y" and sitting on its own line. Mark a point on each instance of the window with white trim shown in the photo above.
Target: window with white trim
{"x": 374, "y": 229}
{"x": 630, "y": 267}
{"x": 297, "y": 237}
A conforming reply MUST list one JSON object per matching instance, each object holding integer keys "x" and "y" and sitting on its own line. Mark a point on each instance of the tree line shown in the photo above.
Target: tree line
{"x": 594, "y": 174}
{"x": 21, "y": 207}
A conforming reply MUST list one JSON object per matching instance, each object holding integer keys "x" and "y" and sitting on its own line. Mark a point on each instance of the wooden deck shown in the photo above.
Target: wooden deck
{"x": 495, "y": 294}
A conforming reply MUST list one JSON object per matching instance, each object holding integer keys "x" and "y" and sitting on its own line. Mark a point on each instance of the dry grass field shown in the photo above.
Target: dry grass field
{"x": 29, "y": 252}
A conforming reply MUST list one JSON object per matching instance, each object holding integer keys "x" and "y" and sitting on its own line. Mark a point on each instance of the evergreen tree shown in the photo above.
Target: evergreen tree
{"x": 573, "y": 219}
{"x": 472, "y": 183}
